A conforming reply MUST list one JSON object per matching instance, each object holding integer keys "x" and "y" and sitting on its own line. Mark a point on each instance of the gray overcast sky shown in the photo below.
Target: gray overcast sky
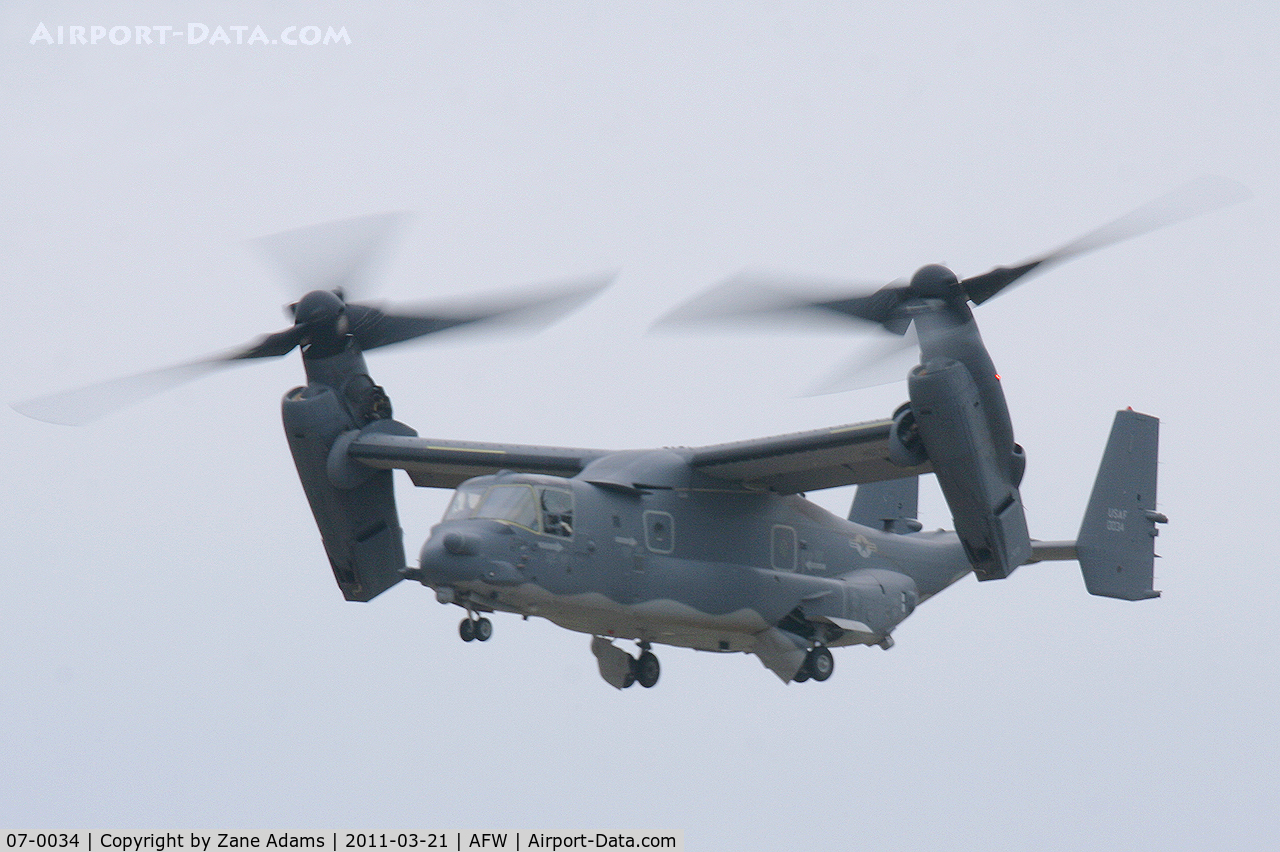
{"x": 173, "y": 651}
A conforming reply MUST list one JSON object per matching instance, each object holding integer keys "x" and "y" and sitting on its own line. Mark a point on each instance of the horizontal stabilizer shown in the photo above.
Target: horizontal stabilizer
{"x": 1048, "y": 551}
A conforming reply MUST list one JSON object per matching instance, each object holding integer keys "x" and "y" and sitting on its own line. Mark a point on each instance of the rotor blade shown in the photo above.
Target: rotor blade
{"x": 758, "y": 299}
{"x": 82, "y": 405}
{"x": 881, "y": 308}
{"x": 887, "y": 361}
{"x": 1199, "y": 196}
{"x": 268, "y": 346}
{"x": 339, "y": 255}
{"x": 527, "y": 308}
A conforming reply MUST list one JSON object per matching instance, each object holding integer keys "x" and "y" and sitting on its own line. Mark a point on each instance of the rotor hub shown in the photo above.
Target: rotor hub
{"x": 319, "y": 308}
{"x": 934, "y": 281}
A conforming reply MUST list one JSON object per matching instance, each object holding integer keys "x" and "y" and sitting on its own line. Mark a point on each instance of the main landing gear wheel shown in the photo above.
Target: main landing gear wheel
{"x": 479, "y": 629}
{"x": 642, "y": 669}
{"x": 647, "y": 669}
{"x": 819, "y": 663}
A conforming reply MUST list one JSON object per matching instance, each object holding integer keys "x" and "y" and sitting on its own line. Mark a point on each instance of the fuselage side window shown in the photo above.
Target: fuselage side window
{"x": 557, "y": 511}
{"x": 659, "y": 531}
{"x": 784, "y": 548}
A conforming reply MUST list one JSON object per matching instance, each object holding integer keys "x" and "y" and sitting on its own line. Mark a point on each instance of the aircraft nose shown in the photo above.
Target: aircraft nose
{"x": 449, "y": 557}
{"x": 461, "y": 544}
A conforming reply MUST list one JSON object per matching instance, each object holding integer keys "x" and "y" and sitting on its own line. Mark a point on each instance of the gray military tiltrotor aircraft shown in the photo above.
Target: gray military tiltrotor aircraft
{"x": 713, "y": 547}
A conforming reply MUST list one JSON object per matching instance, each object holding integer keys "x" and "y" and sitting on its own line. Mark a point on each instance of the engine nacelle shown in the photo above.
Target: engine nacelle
{"x": 975, "y": 478}
{"x": 354, "y": 509}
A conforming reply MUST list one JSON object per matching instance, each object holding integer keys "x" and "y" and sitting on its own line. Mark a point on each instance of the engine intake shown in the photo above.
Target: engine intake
{"x": 905, "y": 447}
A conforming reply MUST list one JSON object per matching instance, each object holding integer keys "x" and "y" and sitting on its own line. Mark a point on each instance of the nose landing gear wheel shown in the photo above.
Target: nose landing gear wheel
{"x": 479, "y": 629}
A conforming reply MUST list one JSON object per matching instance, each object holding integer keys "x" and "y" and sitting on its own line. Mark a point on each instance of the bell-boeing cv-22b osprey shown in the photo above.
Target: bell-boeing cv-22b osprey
{"x": 714, "y": 547}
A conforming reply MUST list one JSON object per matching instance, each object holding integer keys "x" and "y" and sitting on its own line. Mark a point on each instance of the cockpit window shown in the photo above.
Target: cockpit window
{"x": 538, "y": 508}
{"x": 513, "y": 503}
{"x": 464, "y": 503}
{"x": 557, "y": 512}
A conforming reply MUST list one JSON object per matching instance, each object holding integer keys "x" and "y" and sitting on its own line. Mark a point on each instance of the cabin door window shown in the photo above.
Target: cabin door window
{"x": 659, "y": 532}
{"x": 784, "y": 548}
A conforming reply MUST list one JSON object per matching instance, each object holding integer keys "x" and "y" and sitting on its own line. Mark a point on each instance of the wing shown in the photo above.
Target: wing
{"x": 434, "y": 463}
{"x": 807, "y": 461}
{"x": 787, "y": 464}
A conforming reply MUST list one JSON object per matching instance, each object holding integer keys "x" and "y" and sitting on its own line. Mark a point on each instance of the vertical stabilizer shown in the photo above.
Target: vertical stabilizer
{"x": 889, "y": 505}
{"x": 1116, "y": 546}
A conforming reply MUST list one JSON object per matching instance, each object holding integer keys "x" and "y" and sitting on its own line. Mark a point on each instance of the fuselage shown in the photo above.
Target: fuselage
{"x": 706, "y": 569}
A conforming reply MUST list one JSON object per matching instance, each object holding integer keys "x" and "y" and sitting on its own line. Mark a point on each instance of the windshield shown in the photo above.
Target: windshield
{"x": 512, "y": 503}
{"x": 541, "y": 508}
{"x": 464, "y": 502}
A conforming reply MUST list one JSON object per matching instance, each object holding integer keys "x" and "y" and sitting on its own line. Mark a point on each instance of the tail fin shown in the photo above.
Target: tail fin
{"x": 889, "y": 505}
{"x": 1116, "y": 545}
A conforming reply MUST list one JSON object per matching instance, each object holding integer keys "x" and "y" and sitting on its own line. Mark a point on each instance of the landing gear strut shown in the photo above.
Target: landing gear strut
{"x": 479, "y": 629}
